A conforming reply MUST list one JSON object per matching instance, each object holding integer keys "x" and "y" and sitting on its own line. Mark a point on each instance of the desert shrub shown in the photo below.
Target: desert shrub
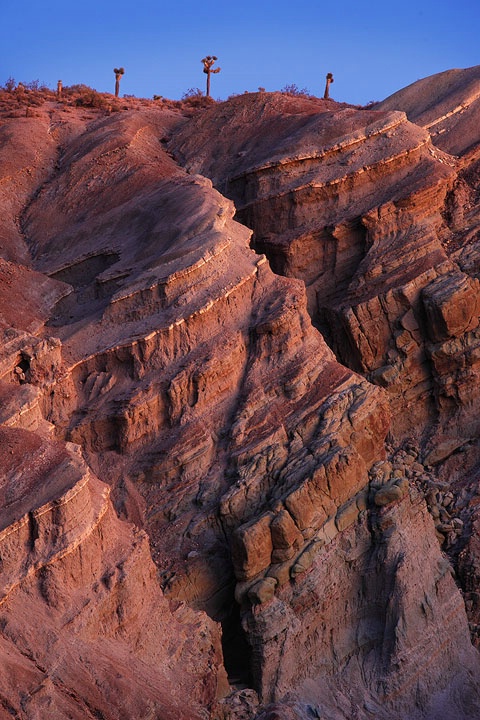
{"x": 17, "y": 98}
{"x": 195, "y": 99}
{"x": 78, "y": 89}
{"x": 192, "y": 93}
{"x": 37, "y": 86}
{"x": 295, "y": 90}
{"x": 10, "y": 84}
{"x": 92, "y": 99}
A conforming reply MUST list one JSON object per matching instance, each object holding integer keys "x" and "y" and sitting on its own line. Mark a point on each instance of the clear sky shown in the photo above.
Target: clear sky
{"x": 372, "y": 48}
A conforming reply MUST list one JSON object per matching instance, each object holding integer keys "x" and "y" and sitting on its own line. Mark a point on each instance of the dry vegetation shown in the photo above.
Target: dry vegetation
{"x": 22, "y": 99}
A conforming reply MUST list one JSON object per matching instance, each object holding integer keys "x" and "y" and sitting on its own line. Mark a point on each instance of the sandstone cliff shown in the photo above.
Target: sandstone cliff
{"x": 81, "y": 609}
{"x": 294, "y": 432}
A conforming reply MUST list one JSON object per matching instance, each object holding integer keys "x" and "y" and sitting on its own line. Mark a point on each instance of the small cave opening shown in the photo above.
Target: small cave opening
{"x": 236, "y": 650}
{"x": 22, "y": 369}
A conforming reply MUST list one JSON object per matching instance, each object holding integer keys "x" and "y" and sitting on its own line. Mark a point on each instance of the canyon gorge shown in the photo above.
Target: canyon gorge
{"x": 240, "y": 429}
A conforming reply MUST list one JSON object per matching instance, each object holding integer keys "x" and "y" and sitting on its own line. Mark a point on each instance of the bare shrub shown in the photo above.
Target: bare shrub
{"x": 16, "y": 98}
{"x": 10, "y": 84}
{"x": 85, "y": 96}
{"x": 295, "y": 91}
{"x": 192, "y": 93}
{"x": 195, "y": 99}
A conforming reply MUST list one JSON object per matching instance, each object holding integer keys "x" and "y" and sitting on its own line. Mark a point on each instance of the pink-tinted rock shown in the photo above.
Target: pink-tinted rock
{"x": 81, "y": 607}
{"x": 249, "y": 448}
{"x": 452, "y": 306}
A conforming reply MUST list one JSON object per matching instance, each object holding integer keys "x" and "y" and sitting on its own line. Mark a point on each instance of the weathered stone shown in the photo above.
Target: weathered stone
{"x": 388, "y": 494}
{"x": 452, "y": 305}
{"x": 403, "y": 484}
{"x": 262, "y": 591}
{"x": 281, "y": 572}
{"x": 284, "y": 531}
{"x": 346, "y": 515}
{"x": 63, "y": 548}
{"x": 306, "y": 558}
{"x": 252, "y": 548}
{"x": 306, "y": 507}
{"x": 443, "y": 450}
{"x": 362, "y": 500}
{"x": 196, "y": 385}
{"x": 281, "y": 555}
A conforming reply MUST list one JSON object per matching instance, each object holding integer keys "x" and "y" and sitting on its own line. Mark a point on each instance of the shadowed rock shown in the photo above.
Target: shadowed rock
{"x": 247, "y": 448}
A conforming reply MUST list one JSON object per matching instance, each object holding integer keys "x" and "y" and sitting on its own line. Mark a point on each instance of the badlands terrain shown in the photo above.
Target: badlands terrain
{"x": 239, "y": 417}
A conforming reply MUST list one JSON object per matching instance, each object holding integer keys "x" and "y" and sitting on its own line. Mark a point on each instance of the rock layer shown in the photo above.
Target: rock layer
{"x": 353, "y": 206}
{"x": 250, "y": 451}
{"x": 373, "y": 635}
{"x": 86, "y": 584}
{"x": 381, "y": 224}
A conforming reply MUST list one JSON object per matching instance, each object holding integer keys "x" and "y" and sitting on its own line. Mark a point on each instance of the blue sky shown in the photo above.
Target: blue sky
{"x": 372, "y": 48}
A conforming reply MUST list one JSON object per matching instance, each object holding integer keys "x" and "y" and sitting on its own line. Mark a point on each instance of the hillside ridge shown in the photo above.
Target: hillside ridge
{"x": 239, "y": 427}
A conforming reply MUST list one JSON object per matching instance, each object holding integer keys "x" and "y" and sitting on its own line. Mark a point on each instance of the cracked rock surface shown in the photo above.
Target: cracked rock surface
{"x": 239, "y": 409}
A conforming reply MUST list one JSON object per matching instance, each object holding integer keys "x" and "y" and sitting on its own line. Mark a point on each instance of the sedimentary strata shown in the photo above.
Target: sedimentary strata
{"x": 292, "y": 434}
{"x": 81, "y": 610}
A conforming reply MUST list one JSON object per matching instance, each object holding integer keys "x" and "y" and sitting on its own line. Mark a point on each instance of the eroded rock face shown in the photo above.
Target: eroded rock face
{"x": 446, "y": 105}
{"x": 185, "y": 356}
{"x": 85, "y": 627}
{"x": 367, "y": 209}
{"x": 171, "y": 354}
{"x": 250, "y": 451}
{"x": 381, "y": 224}
{"x": 340, "y": 600}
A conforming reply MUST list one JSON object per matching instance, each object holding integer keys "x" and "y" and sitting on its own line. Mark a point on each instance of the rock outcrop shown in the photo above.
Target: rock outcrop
{"x": 174, "y": 335}
{"x": 353, "y": 206}
{"x": 372, "y": 600}
{"x": 367, "y": 207}
{"x": 85, "y": 629}
{"x": 195, "y": 433}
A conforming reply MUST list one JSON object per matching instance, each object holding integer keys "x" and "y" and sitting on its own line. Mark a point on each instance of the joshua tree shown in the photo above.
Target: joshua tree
{"x": 118, "y": 76}
{"x": 207, "y": 68}
{"x": 327, "y": 86}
